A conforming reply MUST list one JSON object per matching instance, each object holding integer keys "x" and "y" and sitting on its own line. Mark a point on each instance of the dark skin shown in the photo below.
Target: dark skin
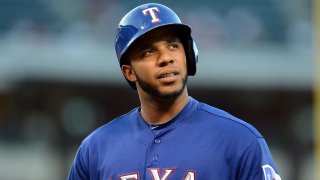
{"x": 159, "y": 70}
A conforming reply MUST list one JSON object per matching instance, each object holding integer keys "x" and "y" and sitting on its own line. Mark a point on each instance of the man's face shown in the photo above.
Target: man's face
{"x": 158, "y": 64}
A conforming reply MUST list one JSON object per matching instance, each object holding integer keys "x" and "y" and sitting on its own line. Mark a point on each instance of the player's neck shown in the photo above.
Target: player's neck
{"x": 160, "y": 111}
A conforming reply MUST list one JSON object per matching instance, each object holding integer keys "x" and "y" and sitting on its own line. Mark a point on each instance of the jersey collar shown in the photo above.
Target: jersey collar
{"x": 175, "y": 121}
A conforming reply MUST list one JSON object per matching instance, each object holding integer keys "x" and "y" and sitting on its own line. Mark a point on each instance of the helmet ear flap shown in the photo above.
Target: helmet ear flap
{"x": 192, "y": 57}
{"x": 191, "y": 51}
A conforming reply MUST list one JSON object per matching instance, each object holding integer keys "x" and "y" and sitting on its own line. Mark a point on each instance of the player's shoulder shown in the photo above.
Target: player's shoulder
{"x": 111, "y": 129}
{"x": 227, "y": 120}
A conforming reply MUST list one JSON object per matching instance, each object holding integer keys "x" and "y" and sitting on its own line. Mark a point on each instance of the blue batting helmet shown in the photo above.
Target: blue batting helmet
{"x": 147, "y": 17}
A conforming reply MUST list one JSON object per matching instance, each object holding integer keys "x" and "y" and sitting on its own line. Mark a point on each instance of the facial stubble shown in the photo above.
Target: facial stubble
{"x": 154, "y": 91}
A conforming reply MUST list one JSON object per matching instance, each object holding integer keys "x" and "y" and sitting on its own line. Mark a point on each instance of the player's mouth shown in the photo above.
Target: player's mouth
{"x": 168, "y": 77}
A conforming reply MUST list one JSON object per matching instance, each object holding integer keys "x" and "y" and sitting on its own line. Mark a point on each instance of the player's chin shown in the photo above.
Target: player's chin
{"x": 171, "y": 91}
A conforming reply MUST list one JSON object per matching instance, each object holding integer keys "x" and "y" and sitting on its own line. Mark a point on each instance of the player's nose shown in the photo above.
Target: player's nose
{"x": 165, "y": 58}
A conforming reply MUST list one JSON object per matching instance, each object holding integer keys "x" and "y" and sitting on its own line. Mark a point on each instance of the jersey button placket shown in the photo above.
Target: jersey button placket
{"x": 157, "y": 141}
{"x": 155, "y": 157}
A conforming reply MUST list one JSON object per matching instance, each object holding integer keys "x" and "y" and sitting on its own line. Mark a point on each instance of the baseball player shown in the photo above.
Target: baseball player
{"x": 171, "y": 135}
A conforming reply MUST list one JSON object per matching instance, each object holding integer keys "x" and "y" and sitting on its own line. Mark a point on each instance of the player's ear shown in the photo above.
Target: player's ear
{"x": 128, "y": 72}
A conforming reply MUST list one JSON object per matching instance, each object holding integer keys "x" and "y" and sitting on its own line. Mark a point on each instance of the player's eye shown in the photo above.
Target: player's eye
{"x": 174, "y": 45}
{"x": 147, "y": 52}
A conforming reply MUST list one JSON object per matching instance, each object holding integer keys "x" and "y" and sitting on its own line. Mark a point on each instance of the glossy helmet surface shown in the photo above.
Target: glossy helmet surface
{"x": 147, "y": 17}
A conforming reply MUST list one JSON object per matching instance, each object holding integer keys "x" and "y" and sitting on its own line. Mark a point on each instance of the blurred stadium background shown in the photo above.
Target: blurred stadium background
{"x": 60, "y": 79}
